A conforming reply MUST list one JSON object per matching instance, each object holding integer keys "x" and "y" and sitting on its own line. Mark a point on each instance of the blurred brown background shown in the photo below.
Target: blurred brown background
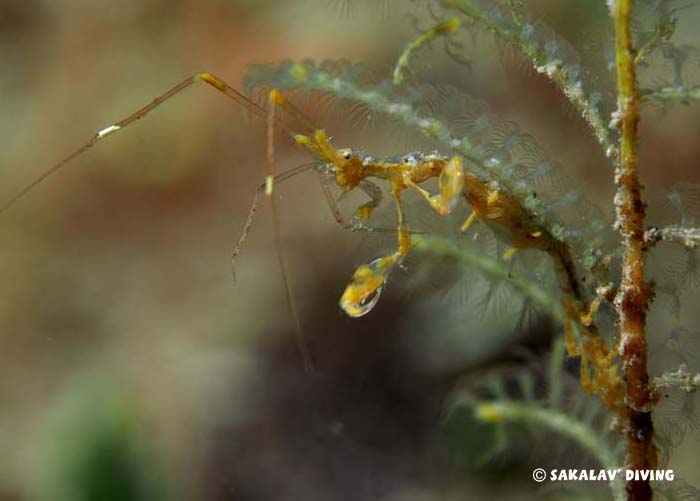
{"x": 118, "y": 311}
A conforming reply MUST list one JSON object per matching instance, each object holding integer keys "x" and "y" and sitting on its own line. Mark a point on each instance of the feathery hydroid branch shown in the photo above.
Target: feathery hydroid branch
{"x": 688, "y": 237}
{"x": 505, "y": 410}
{"x": 679, "y": 379}
{"x": 555, "y": 69}
{"x": 672, "y": 94}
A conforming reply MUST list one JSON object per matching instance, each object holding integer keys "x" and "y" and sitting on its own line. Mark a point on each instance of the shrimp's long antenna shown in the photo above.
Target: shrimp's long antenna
{"x": 276, "y": 98}
{"x": 207, "y": 78}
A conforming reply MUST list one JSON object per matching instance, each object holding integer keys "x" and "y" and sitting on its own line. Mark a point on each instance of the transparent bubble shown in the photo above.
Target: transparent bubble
{"x": 362, "y": 293}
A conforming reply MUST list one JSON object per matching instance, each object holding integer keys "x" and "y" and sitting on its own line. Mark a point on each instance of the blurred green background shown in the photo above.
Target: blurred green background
{"x": 131, "y": 367}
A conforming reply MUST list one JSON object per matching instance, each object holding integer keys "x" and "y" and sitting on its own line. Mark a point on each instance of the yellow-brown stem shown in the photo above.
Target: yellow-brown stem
{"x": 634, "y": 293}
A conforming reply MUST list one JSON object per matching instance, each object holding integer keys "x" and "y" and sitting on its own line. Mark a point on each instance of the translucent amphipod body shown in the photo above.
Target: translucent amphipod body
{"x": 351, "y": 169}
{"x": 515, "y": 225}
{"x": 505, "y": 215}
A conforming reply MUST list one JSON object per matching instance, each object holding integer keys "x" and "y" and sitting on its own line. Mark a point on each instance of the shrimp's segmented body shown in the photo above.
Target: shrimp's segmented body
{"x": 502, "y": 212}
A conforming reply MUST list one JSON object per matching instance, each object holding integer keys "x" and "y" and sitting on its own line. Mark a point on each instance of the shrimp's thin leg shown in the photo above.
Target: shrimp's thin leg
{"x": 276, "y": 98}
{"x": 326, "y": 183}
{"x": 431, "y": 199}
{"x": 364, "y": 211}
{"x": 254, "y": 207}
{"x": 228, "y": 91}
{"x": 404, "y": 235}
{"x": 470, "y": 220}
{"x": 366, "y": 284}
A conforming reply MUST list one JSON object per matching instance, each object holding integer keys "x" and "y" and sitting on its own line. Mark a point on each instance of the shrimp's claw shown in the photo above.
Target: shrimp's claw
{"x": 451, "y": 184}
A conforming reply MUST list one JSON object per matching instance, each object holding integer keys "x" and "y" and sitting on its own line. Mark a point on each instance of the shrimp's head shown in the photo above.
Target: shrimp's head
{"x": 348, "y": 166}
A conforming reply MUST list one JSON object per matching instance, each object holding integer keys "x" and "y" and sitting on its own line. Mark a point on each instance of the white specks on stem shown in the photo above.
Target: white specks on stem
{"x": 611, "y": 6}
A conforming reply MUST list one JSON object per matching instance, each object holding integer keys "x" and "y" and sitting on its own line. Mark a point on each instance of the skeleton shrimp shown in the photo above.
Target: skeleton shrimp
{"x": 348, "y": 170}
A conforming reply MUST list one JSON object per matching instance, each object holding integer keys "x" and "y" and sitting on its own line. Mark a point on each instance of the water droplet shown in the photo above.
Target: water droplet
{"x": 366, "y": 285}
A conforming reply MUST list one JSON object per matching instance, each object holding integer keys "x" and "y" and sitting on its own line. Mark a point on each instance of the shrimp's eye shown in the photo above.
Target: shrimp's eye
{"x": 347, "y": 155}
